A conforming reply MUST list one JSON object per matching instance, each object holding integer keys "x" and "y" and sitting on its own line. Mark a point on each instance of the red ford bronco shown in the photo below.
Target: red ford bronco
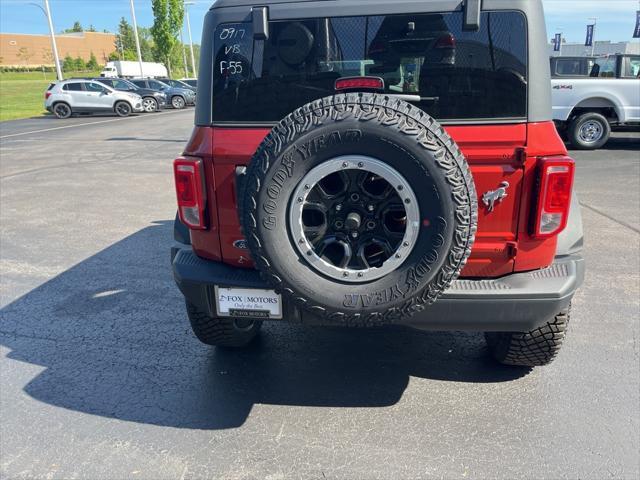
{"x": 366, "y": 162}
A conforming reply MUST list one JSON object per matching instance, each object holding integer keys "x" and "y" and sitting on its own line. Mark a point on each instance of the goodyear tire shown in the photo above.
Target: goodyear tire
{"x": 360, "y": 209}
{"x": 530, "y": 349}
{"x": 222, "y": 332}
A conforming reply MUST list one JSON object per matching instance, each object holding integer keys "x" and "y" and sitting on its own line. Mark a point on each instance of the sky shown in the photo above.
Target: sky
{"x": 616, "y": 18}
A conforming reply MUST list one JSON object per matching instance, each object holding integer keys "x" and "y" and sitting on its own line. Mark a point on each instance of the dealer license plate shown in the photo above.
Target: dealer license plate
{"x": 248, "y": 303}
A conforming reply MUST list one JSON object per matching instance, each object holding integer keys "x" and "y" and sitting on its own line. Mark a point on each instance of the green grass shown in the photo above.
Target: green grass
{"x": 22, "y": 93}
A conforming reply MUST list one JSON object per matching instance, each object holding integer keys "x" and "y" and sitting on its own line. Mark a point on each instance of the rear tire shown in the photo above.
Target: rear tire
{"x": 122, "y": 109}
{"x": 222, "y": 332}
{"x": 530, "y": 349}
{"x": 62, "y": 110}
{"x": 589, "y": 131}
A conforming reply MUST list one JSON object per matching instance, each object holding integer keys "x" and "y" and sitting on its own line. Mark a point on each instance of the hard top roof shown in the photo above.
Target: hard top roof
{"x": 263, "y": 3}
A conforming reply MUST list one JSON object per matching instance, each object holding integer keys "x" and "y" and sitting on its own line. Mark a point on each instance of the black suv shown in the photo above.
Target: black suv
{"x": 177, "y": 97}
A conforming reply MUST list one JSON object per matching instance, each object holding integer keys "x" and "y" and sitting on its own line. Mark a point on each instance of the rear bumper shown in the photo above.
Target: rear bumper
{"x": 517, "y": 302}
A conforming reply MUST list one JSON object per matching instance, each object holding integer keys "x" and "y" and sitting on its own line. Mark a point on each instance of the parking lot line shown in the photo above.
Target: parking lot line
{"x": 79, "y": 125}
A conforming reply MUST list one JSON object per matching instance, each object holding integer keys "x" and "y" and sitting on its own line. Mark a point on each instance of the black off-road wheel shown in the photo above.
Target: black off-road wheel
{"x": 589, "y": 131}
{"x": 530, "y": 349}
{"x": 222, "y": 332}
{"x": 360, "y": 209}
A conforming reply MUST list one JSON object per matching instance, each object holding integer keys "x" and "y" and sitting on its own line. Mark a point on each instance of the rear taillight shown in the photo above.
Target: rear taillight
{"x": 554, "y": 196}
{"x": 446, "y": 41}
{"x": 356, "y": 83}
{"x": 47, "y": 95}
{"x": 189, "y": 178}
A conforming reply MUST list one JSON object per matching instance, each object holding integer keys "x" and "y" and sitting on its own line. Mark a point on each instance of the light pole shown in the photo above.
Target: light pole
{"x": 135, "y": 31}
{"x": 184, "y": 55}
{"x": 54, "y": 46}
{"x": 593, "y": 35}
{"x": 193, "y": 58}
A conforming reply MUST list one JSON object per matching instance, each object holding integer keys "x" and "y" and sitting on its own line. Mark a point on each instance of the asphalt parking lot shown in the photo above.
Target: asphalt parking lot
{"x": 101, "y": 377}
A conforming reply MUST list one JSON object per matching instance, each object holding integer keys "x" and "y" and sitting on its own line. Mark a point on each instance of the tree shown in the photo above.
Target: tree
{"x": 24, "y": 54}
{"x": 91, "y": 28}
{"x": 168, "y": 17}
{"x": 47, "y": 55}
{"x": 92, "y": 64}
{"x": 77, "y": 27}
{"x": 125, "y": 39}
{"x": 68, "y": 64}
{"x": 80, "y": 64}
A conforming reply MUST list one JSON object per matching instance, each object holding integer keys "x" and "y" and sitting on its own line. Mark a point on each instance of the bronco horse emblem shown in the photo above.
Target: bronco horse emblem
{"x": 492, "y": 196}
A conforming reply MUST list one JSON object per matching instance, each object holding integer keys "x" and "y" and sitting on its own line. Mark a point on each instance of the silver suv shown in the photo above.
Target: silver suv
{"x": 82, "y": 96}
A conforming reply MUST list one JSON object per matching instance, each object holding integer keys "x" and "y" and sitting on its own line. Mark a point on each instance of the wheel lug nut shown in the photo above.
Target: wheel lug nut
{"x": 398, "y": 255}
{"x": 405, "y": 244}
{"x": 406, "y": 200}
{"x": 345, "y": 165}
{"x": 309, "y": 252}
{"x": 307, "y": 187}
{"x": 338, "y": 207}
{"x": 360, "y": 274}
{"x": 345, "y": 274}
{"x": 301, "y": 241}
{"x": 300, "y": 199}
{"x": 400, "y": 187}
{"x": 360, "y": 164}
{"x": 371, "y": 208}
{"x": 354, "y": 234}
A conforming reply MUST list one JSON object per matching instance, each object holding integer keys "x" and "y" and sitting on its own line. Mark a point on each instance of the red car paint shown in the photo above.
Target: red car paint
{"x": 496, "y": 153}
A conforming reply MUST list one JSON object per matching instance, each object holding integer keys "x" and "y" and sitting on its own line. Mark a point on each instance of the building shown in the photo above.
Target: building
{"x": 24, "y": 50}
{"x": 600, "y": 48}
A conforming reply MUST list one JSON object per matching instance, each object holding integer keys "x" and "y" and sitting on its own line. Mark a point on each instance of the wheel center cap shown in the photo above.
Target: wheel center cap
{"x": 353, "y": 221}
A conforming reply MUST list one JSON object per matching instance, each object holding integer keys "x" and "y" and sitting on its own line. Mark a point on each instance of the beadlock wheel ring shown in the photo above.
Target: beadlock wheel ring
{"x": 400, "y": 188}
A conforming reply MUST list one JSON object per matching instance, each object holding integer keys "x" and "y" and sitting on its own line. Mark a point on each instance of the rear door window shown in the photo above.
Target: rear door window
{"x": 156, "y": 85}
{"x": 139, "y": 83}
{"x": 604, "y": 67}
{"x": 94, "y": 87}
{"x": 450, "y": 73}
{"x": 73, "y": 87}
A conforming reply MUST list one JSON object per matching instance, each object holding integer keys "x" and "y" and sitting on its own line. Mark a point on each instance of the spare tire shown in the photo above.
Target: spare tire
{"x": 359, "y": 208}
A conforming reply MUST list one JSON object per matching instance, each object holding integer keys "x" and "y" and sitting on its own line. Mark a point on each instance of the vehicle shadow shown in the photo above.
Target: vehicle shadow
{"x": 112, "y": 338}
{"x": 629, "y": 141}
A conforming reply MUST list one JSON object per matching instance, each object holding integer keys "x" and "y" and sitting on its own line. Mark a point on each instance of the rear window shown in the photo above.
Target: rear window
{"x": 572, "y": 67}
{"x": 449, "y": 73}
{"x": 73, "y": 87}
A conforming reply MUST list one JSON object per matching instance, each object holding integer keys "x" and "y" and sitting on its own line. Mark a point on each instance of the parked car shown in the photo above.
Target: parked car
{"x": 67, "y": 97}
{"x": 190, "y": 81}
{"x": 152, "y": 100}
{"x": 176, "y": 83}
{"x": 128, "y": 69}
{"x": 311, "y": 196}
{"x": 571, "y": 66}
{"x": 177, "y": 97}
{"x": 586, "y": 108}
